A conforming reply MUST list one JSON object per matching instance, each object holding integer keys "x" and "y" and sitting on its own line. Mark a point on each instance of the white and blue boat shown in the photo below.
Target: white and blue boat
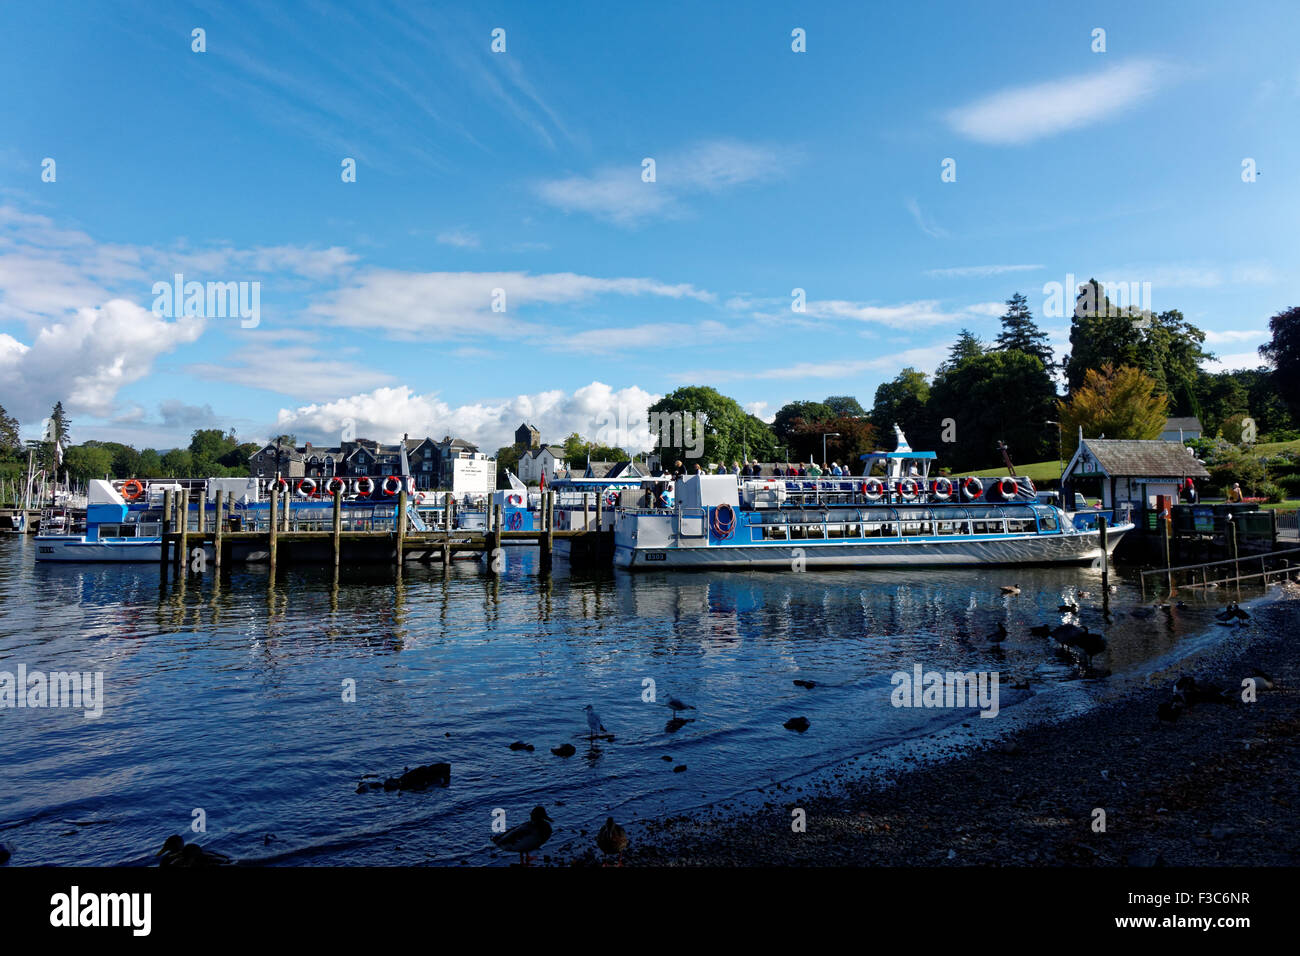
{"x": 898, "y": 518}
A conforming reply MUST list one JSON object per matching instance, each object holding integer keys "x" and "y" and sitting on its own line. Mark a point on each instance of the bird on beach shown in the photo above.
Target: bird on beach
{"x": 1010, "y": 589}
{"x": 611, "y": 839}
{"x": 593, "y": 722}
{"x": 1088, "y": 644}
{"x": 526, "y": 837}
{"x": 678, "y": 706}
{"x": 1232, "y": 614}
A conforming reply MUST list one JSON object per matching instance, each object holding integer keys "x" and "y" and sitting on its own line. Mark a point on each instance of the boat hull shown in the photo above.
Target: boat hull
{"x": 77, "y": 548}
{"x": 1078, "y": 548}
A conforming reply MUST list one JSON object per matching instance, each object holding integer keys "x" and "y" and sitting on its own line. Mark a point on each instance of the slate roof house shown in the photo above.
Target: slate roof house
{"x": 1131, "y": 471}
{"x": 429, "y": 460}
{"x": 1181, "y": 429}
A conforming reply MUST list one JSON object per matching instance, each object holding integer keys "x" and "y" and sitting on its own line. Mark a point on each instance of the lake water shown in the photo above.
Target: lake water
{"x": 228, "y": 698}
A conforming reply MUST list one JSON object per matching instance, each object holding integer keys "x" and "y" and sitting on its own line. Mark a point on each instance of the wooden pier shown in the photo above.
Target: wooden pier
{"x": 279, "y": 544}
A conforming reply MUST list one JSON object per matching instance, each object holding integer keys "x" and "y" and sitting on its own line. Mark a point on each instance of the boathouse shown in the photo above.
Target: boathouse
{"x": 1131, "y": 472}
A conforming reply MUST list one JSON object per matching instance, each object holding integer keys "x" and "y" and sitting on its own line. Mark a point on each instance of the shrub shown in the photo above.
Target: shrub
{"x": 1269, "y": 492}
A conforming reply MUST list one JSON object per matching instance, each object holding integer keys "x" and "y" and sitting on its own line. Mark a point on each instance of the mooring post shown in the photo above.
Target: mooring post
{"x": 496, "y": 528}
{"x": 1236, "y": 560}
{"x": 600, "y": 500}
{"x": 446, "y": 529}
{"x": 217, "y": 520}
{"x": 401, "y": 523}
{"x": 203, "y": 512}
{"x": 1169, "y": 574}
{"x": 183, "y": 519}
{"x": 274, "y": 526}
{"x": 586, "y": 502}
{"x": 166, "y": 530}
{"x": 1105, "y": 566}
{"x": 337, "y": 523}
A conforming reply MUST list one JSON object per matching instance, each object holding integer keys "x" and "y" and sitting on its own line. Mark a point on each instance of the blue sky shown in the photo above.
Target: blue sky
{"x": 522, "y": 171}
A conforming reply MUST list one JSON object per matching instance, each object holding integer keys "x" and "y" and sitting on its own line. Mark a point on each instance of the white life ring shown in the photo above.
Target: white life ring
{"x": 872, "y": 489}
{"x": 419, "y": 498}
{"x": 515, "y": 500}
{"x": 1002, "y": 487}
{"x": 392, "y": 485}
{"x": 307, "y": 487}
{"x": 966, "y": 486}
{"x": 365, "y": 485}
{"x": 335, "y": 484}
{"x": 281, "y": 484}
{"x": 611, "y": 498}
{"x": 946, "y": 493}
{"x": 904, "y": 484}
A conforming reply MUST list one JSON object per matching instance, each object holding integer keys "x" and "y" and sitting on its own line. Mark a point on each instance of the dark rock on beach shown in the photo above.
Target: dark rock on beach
{"x": 421, "y": 778}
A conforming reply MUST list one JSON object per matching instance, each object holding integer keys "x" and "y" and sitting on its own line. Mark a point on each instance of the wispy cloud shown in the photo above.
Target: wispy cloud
{"x": 1228, "y": 336}
{"x": 924, "y": 359}
{"x": 617, "y": 194}
{"x": 1023, "y": 114}
{"x": 926, "y": 225}
{"x": 978, "y": 272}
{"x": 460, "y": 238}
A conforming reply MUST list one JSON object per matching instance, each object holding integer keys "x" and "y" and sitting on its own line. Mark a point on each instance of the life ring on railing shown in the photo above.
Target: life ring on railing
{"x": 369, "y": 485}
{"x": 611, "y": 499}
{"x": 1002, "y": 488}
{"x": 904, "y": 484}
{"x": 721, "y": 529}
{"x": 872, "y": 489}
{"x": 392, "y": 485}
{"x": 335, "y": 484}
{"x": 515, "y": 500}
{"x": 419, "y": 498}
{"x": 966, "y": 488}
{"x": 946, "y": 493}
{"x": 307, "y": 487}
{"x": 132, "y": 489}
{"x": 281, "y": 484}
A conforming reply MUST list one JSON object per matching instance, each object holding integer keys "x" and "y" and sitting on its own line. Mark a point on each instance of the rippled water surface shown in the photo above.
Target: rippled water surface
{"x": 228, "y": 697}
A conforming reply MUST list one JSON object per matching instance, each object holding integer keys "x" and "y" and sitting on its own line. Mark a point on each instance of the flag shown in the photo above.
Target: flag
{"x": 542, "y": 482}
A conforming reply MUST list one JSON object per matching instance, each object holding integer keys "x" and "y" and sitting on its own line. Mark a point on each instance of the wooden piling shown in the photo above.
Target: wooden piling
{"x": 401, "y": 523}
{"x": 1105, "y": 565}
{"x": 275, "y": 517}
{"x": 1169, "y": 574}
{"x": 166, "y": 530}
{"x": 447, "y": 505}
{"x": 600, "y": 500}
{"x": 183, "y": 519}
{"x": 217, "y": 520}
{"x": 549, "y": 547}
{"x": 203, "y": 512}
{"x": 338, "y": 523}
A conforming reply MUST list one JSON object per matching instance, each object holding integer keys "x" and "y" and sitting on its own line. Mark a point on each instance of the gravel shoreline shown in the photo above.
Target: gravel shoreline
{"x": 1217, "y": 787}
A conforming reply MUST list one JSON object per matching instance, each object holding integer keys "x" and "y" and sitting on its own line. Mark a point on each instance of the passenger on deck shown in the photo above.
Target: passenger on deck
{"x": 735, "y": 468}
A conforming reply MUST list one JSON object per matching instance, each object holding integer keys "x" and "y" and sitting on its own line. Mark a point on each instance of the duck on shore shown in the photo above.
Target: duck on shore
{"x": 1011, "y": 589}
{"x": 526, "y": 837}
{"x": 612, "y": 839}
{"x": 176, "y": 852}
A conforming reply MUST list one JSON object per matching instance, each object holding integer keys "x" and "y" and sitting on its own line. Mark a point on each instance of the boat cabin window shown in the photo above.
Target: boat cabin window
{"x": 1046, "y": 519}
{"x": 987, "y": 526}
{"x": 1020, "y": 525}
{"x": 950, "y": 527}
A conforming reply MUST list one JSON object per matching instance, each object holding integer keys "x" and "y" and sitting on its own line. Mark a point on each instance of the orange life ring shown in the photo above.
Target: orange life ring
{"x": 132, "y": 489}
{"x": 515, "y": 500}
{"x": 947, "y": 489}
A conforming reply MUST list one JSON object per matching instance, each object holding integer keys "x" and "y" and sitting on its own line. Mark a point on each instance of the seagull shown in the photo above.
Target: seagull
{"x": 612, "y": 838}
{"x": 593, "y": 722}
{"x": 1010, "y": 589}
{"x": 678, "y": 706}
{"x": 526, "y": 837}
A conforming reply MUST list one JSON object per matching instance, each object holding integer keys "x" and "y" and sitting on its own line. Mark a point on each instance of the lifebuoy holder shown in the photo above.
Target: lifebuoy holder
{"x": 132, "y": 489}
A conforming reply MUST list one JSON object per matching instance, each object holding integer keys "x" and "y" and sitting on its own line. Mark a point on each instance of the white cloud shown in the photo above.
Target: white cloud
{"x": 1022, "y": 114}
{"x": 1235, "y": 335}
{"x": 597, "y": 411}
{"x": 649, "y": 335}
{"x": 460, "y": 238}
{"x": 923, "y": 359}
{"x": 459, "y": 304}
{"x": 85, "y": 359}
{"x": 299, "y": 370}
{"x": 926, "y": 225}
{"x": 1234, "y": 361}
{"x": 617, "y": 194}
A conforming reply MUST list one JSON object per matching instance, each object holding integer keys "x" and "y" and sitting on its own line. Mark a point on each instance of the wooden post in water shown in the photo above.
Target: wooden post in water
{"x": 446, "y": 530}
{"x": 274, "y": 526}
{"x": 585, "y": 503}
{"x": 600, "y": 500}
{"x": 401, "y": 523}
{"x": 1169, "y": 574}
{"x": 203, "y": 512}
{"x": 183, "y": 519}
{"x": 217, "y": 520}
{"x": 166, "y": 530}
{"x": 1105, "y": 565}
{"x": 338, "y": 523}
{"x": 496, "y": 528}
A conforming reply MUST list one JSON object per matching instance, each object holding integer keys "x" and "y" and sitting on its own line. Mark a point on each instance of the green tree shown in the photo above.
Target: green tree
{"x": 905, "y": 401}
{"x": 11, "y": 444}
{"x": 967, "y": 346}
{"x": 845, "y": 405}
{"x": 1282, "y": 352}
{"x": 178, "y": 463}
{"x": 1020, "y": 333}
{"x": 1005, "y": 396}
{"x": 791, "y": 426}
{"x": 730, "y": 433}
{"x": 507, "y": 460}
{"x": 151, "y": 465}
{"x": 1116, "y": 402}
{"x": 56, "y": 434}
{"x": 88, "y": 461}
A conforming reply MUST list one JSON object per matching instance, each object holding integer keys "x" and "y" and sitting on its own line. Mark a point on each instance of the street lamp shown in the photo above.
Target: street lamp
{"x": 826, "y": 435}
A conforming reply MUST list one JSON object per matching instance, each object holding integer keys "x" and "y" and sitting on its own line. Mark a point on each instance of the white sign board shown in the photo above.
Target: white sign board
{"x": 473, "y": 476}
